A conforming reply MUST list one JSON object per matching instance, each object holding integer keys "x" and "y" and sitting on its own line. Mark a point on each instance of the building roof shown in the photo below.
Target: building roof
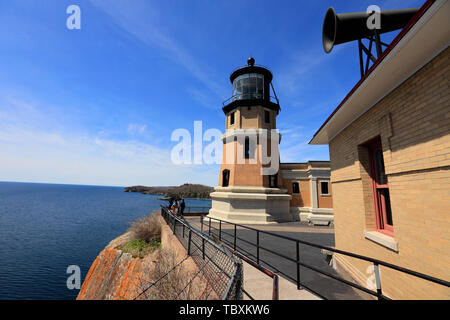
{"x": 315, "y": 164}
{"x": 423, "y": 38}
{"x": 305, "y": 163}
{"x": 252, "y": 69}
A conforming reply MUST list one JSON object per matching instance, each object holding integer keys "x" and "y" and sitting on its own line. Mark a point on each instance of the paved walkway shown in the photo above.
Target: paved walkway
{"x": 259, "y": 285}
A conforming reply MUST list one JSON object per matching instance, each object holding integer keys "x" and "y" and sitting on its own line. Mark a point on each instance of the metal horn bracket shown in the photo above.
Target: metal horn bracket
{"x": 365, "y": 53}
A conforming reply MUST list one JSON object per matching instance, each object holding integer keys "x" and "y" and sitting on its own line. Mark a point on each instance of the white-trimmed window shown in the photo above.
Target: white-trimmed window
{"x": 324, "y": 188}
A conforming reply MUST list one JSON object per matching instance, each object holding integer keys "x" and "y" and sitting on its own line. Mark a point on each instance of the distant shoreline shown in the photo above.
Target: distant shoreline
{"x": 187, "y": 191}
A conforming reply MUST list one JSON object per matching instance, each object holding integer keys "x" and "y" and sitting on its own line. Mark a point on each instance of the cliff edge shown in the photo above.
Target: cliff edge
{"x": 115, "y": 275}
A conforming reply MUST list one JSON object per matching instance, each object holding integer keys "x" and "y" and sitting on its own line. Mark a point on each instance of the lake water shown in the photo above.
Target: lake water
{"x": 44, "y": 228}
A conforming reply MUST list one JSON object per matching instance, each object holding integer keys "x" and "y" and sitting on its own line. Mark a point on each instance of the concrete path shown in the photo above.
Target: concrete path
{"x": 260, "y": 287}
{"x": 259, "y": 284}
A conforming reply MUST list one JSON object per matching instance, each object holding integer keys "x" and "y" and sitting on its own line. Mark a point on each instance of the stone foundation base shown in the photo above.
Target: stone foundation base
{"x": 250, "y": 205}
{"x": 315, "y": 216}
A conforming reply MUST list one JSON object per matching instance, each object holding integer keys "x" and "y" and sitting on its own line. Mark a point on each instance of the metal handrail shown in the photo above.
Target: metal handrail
{"x": 376, "y": 262}
{"x": 233, "y": 98}
{"x": 191, "y": 209}
{"x": 274, "y": 276}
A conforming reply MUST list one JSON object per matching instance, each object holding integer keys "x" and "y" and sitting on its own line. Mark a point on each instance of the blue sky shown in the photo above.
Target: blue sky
{"x": 98, "y": 105}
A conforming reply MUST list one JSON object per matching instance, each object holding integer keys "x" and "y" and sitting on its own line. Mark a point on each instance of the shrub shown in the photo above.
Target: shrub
{"x": 146, "y": 228}
{"x": 140, "y": 248}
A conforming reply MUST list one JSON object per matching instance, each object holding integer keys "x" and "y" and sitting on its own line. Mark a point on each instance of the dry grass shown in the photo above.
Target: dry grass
{"x": 146, "y": 228}
{"x": 174, "y": 284}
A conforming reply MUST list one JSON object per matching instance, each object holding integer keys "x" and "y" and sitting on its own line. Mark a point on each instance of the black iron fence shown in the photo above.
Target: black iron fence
{"x": 190, "y": 210}
{"x": 222, "y": 271}
{"x": 285, "y": 262}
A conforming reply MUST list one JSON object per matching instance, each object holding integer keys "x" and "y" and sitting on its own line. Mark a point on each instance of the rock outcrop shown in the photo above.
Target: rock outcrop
{"x": 115, "y": 275}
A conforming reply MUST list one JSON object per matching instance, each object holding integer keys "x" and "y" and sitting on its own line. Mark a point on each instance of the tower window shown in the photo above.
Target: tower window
{"x": 232, "y": 118}
{"x": 247, "y": 148}
{"x": 295, "y": 188}
{"x": 266, "y": 116}
{"x": 225, "y": 178}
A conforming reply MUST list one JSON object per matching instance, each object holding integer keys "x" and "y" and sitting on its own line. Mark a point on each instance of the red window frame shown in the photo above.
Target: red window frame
{"x": 380, "y": 189}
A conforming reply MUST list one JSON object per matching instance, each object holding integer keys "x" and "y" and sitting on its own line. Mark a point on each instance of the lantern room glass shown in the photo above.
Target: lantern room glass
{"x": 248, "y": 86}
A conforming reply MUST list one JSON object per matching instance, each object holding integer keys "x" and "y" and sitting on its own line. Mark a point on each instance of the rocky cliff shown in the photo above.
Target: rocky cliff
{"x": 115, "y": 275}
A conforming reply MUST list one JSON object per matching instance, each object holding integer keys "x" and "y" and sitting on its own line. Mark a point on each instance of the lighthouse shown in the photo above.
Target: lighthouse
{"x": 250, "y": 189}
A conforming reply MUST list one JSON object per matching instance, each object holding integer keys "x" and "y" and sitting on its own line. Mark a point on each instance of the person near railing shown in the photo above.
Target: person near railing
{"x": 174, "y": 207}
{"x": 181, "y": 205}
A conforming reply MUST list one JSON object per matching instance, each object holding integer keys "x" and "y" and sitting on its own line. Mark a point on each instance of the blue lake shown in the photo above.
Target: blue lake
{"x": 44, "y": 228}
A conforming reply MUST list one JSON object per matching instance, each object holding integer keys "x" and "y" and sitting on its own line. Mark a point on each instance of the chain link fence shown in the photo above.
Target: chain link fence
{"x": 216, "y": 264}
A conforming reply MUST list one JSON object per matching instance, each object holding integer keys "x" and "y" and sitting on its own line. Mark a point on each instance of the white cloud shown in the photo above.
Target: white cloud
{"x": 134, "y": 128}
{"x": 36, "y": 146}
{"x": 37, "y": 156}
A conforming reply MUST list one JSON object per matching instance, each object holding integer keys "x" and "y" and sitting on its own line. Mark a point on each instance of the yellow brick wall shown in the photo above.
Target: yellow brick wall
{"x": 414, "y": 124}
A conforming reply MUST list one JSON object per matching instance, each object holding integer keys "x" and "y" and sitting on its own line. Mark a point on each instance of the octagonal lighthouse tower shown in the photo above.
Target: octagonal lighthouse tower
{"x": 250, "y": 187}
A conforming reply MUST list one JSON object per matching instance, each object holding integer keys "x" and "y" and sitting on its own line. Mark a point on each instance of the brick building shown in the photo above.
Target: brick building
{"x": 310, "y": 188}
{"x": 389, "y": 144}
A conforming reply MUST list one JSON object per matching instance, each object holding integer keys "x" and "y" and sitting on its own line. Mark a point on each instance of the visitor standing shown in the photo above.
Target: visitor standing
{"x": 182, "y": 205}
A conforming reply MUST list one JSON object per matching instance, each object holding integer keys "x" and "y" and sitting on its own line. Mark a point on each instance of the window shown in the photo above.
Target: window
{"x": 273, "y": 181}
{"x": 266, "y": 116}
{"x": 232, "y": 118}
{"x": 225, "y": 178}
{"x": 247, "y": 148}
{"x": 295, "y": 188}
{"x": 324, "y": 188}
{"x": 248, "y": 86}
{"x": 380, "y": 188}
